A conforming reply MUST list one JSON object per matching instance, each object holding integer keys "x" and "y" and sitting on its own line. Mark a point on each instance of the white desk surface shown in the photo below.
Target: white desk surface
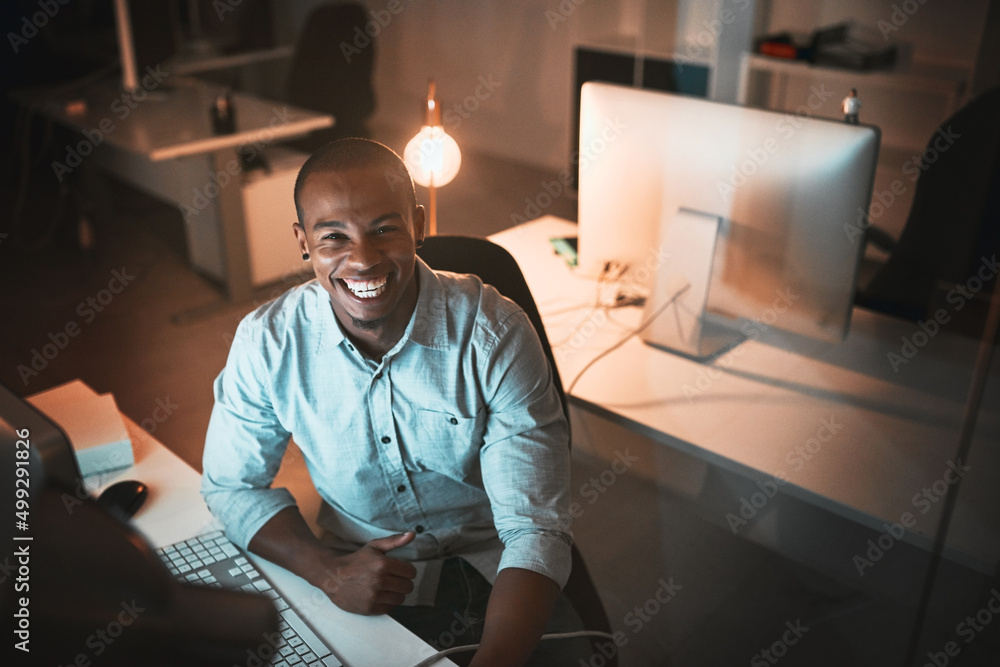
{"x": 762, "y": 400}
{"x": 175, "y": 511}
{"x": 173, "y": 119}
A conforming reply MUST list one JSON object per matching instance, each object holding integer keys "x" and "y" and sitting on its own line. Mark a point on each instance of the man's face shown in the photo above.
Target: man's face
{"x": 361, "y": 237}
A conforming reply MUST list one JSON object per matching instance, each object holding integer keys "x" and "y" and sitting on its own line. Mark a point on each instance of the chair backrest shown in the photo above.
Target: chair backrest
{"x": 494, "y": 266}
{"x": 331, "y": 70}
{"x": 955, "y": 217}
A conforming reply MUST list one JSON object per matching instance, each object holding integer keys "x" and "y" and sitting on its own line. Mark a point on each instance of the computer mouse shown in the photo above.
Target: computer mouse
{"x": 125, "y": 497}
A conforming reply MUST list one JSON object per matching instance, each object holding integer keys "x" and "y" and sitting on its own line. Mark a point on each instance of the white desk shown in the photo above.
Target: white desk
{"x": 175, "y": 511}
{"x": 749, "y": 410}
{"x": 158, "y": 141}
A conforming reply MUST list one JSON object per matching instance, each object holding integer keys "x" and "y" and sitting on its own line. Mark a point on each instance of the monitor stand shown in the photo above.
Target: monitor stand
{"x": 687, "y": 240}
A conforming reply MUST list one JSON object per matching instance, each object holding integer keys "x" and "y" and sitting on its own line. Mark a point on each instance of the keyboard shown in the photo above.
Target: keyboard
{"x": 212, "y": 560}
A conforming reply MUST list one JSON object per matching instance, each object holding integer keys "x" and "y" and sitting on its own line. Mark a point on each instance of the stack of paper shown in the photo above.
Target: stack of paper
{"x": 93, "y": 424}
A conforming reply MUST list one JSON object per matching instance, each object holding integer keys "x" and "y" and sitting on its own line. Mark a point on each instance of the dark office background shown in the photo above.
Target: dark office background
{"x": 740, "y": 591}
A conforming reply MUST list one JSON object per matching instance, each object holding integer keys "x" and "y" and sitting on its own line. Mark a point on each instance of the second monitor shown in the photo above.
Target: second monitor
{"x": 786, "y": 192}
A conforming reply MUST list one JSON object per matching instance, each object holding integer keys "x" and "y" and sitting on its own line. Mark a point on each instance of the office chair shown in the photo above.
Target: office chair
{"x": 955, "y": 218}
{"x": 321, "y": 78}
{"x": 495, "y": 266}
{"x": 325, "y": 78}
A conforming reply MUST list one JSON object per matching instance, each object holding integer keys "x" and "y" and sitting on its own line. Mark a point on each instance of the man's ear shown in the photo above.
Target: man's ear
{"x": 418, "y": 224}
{"x": 300, "y": 237}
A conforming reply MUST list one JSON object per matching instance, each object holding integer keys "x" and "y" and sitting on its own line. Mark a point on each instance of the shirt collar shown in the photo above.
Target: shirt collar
{"x": 428, "y": 326}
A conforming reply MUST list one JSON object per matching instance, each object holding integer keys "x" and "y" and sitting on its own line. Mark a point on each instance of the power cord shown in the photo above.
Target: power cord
{"x": 645, "y": 323}
{"x": 472, "y": 647}
{"x": 611, "y": 273}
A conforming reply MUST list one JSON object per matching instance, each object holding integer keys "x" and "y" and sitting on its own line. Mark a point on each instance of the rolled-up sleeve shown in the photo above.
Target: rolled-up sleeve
{"x": 245, "y": 443}
{"x": 525, "y": 454}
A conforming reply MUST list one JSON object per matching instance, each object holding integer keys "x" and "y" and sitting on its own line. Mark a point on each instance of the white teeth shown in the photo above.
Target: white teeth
{"x": 367, "y": 289}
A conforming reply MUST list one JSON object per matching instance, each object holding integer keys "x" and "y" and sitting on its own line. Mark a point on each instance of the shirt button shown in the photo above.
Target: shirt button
{"x": 453, "y": 421}
{"x": 386, "y": 439}
{"x": 401, "y": 488}
{"x": 419, "y": 529}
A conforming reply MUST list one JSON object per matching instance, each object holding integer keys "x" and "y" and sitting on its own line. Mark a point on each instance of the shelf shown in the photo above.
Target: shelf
{"x": 921, "y": 78}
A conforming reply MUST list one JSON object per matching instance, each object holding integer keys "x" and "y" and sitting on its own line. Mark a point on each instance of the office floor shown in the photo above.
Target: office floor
{"x": 108, "y": 316}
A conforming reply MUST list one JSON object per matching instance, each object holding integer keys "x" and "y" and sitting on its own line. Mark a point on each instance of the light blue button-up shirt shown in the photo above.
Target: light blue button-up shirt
{"x": 457, "y": 432}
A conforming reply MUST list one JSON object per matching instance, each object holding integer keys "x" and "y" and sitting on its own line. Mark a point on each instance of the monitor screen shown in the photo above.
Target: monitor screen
{"x": 787, "y": 191}
{"x": 36, "y": 452}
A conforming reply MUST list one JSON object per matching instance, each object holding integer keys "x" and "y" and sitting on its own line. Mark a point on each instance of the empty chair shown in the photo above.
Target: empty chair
{"x": 955, "y": 218}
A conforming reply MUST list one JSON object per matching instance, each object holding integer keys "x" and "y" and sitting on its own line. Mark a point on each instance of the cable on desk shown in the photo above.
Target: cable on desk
{"x": 611, "y": 273}
{"x": 426, "y": 662}
{"x": 645, "y": 323}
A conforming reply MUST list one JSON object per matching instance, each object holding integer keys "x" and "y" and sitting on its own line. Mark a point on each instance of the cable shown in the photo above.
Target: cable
{"x": 973, "y": 405}
{"x": 472, "y": 647}
{"x": 611, "y": 274}
{"x": 609, "y": 266}
{"x": 643, "y": 325}
{"x": 568, "y": 309}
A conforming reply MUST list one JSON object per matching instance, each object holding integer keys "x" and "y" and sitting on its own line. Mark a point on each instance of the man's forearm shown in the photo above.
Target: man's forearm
{"x": 287, "y": 540}
{"x": 519, "y": 609}
{"x": 364, "y": 582}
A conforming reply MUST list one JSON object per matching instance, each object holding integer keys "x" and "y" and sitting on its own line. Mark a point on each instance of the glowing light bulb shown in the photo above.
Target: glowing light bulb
{"x": 432, "y": 156}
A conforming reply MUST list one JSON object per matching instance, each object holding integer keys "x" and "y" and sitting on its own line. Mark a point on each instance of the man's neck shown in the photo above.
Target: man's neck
{"x": 376, "y": 342}
{"x": 374, "y": 346}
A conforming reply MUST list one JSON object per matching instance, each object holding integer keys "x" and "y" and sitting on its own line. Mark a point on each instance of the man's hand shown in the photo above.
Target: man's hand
{"x": 365, "y": 582}
{"x": 370, "y": 582}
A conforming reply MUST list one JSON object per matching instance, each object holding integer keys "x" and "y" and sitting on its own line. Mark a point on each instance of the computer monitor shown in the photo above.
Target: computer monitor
{"x": 785, "y": 194}
{"x": 80, "y": 586}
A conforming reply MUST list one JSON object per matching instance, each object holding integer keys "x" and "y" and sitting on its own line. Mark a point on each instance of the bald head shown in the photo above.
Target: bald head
{"x": 356, "y": 153}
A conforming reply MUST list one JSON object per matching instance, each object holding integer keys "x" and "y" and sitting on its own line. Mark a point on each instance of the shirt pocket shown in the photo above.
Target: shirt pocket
{"x": 448, "y": 442}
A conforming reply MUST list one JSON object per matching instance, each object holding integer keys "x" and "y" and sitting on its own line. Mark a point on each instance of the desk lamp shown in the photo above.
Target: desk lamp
{"x": 432, "y": 156}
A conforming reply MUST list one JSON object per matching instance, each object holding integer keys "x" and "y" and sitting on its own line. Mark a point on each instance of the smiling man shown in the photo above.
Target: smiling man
{"x": 425, "y": 410}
